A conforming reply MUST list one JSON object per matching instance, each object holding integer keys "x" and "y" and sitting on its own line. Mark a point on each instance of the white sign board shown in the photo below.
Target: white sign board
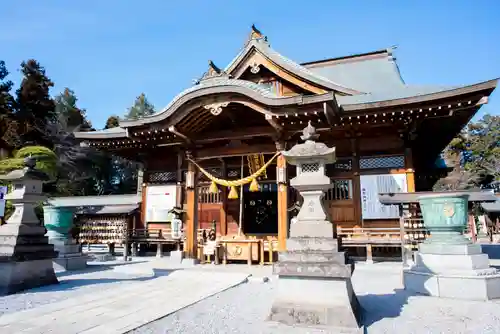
{"x": 371, "y": 186}
{"x": 3, "y": 192}
{"x": 160, "y": 199}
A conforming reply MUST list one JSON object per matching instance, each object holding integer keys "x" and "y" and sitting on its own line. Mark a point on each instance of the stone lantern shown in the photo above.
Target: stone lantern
{"x": 25, "y": 253}
{"x": 314, "y": 287}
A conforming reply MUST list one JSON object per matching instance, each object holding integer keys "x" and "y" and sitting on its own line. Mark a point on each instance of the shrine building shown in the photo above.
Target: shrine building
{"x": 214, "y": 149}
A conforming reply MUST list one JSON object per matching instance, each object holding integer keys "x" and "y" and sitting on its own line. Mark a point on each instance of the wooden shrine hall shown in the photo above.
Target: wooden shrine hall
{"x": 233, "y": 122}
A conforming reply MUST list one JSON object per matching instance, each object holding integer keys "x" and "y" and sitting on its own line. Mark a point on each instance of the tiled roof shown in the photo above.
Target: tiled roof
{"x": 103, "y": 200}
{"x": 366, "y": 75}
{"x": 262, "y": 46}
{"x": 396, "y": 92}
{"x": 492, "y": 206}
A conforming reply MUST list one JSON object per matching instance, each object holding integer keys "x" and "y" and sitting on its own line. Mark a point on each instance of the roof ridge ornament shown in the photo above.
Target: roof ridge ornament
{"x": 256, "y": 35}
{"x": 213, "y": 72}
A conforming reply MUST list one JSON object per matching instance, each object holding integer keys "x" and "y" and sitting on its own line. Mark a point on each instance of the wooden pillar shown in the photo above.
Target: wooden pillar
{"x": 191, "y": 224}
{"x": 223, "y": 208}
{"x": 178, "y": 187}
{"x": 410, "y": 172}
{"x": 281, "y": 176}
{"x": 356, "y": 183}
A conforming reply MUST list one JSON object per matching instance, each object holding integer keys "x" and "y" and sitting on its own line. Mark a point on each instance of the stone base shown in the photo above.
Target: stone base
{"x": 452, "y": 271}
{"x": 19, "y": 276}
{"x": 177, "y": 256}
{"x": 458, "y": 287}
{"x": 69, "y": 258}
{"x": 317, "y": 303}
{"x": 70, "y": 262}
{"x": 190, "y": 262}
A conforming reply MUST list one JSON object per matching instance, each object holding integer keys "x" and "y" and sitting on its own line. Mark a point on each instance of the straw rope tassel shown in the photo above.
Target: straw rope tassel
{"x": 254, "y": 186}
{"x": 235, "y": 183}
{"x": 213, "y": 188}
{"x": 233, "y": 194}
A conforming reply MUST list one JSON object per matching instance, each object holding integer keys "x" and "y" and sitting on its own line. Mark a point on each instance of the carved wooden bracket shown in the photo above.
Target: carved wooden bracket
{"x": 216, "y": 108}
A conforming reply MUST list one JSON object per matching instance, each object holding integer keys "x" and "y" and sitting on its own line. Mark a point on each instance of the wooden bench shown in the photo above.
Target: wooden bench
{"x": 369, "y": 238}
{"x": 153, "y": 236}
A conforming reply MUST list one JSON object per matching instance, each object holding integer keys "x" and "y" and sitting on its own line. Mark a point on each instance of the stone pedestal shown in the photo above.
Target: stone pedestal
{"x": 25, "y": 254}
{"x": 59, "y": 221}
{"x": 453, "y": 271}
{"x": 177, "y": 256}
{"x": 314, "y": 287}
{"x": 69, "y": 256}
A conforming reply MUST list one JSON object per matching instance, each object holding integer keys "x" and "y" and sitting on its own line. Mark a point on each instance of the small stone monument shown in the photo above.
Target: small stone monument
{"x": 314, "y": 287}
{"x": 59, "y": 222}
{"x": 25, "y": 254}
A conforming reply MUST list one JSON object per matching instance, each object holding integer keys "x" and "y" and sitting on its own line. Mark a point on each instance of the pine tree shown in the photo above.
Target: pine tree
{"x": 141, "y": 108}
{"x": 35, "y": 107}
{"x": 8, "y": 133}
{"x": 475, "y": 155}
{"x": 69, "y": 115}
{"x": 112, "y": 122}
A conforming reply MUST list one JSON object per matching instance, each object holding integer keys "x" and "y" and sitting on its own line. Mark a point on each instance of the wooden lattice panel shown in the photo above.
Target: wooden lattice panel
{"x": 396, "y": 161}
{"x": 161, "y": 177}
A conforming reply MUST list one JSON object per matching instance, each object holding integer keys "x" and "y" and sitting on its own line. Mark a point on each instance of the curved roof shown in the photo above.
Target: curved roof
{"x": 263, "y": 47}
{"x": 222, "y": 84}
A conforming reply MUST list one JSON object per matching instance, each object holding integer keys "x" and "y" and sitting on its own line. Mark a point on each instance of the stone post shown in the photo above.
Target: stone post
{"x": 25, "y": 253}
{"x": 59, "y": 221}
{"x": 314, "y": 287}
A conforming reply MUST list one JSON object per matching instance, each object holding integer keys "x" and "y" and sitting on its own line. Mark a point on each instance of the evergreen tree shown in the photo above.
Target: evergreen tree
{"x": 112, "y": 122}
{"x": 141, "y": 108}
{"x": 475, "y": 155}
{"x": 8, "y": 132}
{"x": 35, "y": 107}
{"x": 68, "y": 114}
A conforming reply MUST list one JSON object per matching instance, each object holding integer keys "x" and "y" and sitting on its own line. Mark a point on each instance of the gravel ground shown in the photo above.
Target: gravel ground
{"x": 388, "y": 309}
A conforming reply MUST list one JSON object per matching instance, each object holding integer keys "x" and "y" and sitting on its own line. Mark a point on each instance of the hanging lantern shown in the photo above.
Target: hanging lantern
{"x": 254, "y": 186}
{"x": 233, "y": 194}
{"x": 213, "y": 188}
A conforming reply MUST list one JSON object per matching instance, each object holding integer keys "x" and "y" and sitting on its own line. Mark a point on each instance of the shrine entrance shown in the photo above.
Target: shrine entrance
{"x": 260, "y": 210}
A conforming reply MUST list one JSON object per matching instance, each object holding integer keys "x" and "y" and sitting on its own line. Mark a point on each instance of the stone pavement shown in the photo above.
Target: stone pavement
{"x": 123, "y": 308}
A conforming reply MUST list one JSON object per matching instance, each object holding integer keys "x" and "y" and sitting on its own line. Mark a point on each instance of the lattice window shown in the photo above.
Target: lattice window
{"x": 341, "y": 190}
{"x": 205, "y": 196}
{"x": 396, "y": 161}
{"x": 161, "y": 177}
{"x": 310, "y": 168}
{"x": 233, "y": 174}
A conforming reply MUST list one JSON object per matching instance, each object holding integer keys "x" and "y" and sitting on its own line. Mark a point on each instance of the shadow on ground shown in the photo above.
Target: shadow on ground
{"x": 71, "y": 284}
{"x": 92, "y": 268}
{"x": 493, "y": 251}
{"x": 378, "y": 307}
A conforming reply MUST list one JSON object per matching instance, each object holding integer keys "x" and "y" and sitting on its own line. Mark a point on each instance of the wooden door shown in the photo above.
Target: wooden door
{"x": 209, "y": 207}
{"x": 339, "y": 203}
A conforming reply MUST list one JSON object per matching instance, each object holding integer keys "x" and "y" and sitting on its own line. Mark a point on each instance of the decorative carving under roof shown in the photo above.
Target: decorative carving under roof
{"x": 216, "y": 108}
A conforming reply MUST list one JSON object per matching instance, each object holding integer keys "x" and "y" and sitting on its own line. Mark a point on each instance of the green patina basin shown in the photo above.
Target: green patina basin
{"x": 58, "y": 220}
{"x": 445, "y": 216}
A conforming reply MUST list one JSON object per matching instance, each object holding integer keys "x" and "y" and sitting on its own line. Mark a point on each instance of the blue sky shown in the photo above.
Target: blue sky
{"x": 110, "y": 51}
